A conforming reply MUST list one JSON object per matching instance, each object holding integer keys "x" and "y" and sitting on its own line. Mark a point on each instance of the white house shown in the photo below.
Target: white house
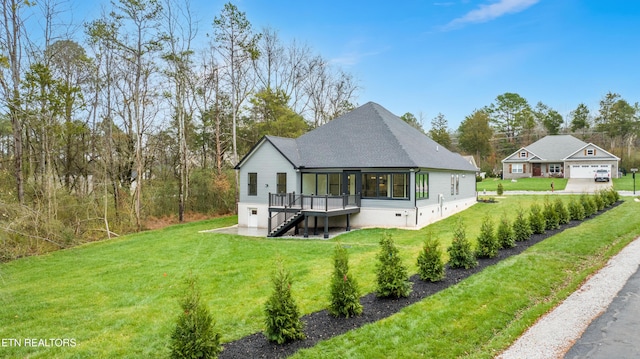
{"x": 367, "y": 168}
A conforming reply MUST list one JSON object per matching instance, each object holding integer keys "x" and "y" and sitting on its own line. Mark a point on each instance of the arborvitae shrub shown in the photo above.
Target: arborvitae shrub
{"x": 576, "y": 211}
{"x": 551, "y": 218}
{"x": 521, "y": 227}
{"x": 614, "y": 195}
{"x": 430, "y": 263}
{"x": 536, "y": 219}
{"x": 505, "y": 235}
{"x": 194, "y": 335}
{"x": 392, "y": 276}
{"x": 598, "y": 201}
{"x": 345, "y": 293}
{"x": 588, "y": 205}
{"x": 460, "y": 253}
{"x": 500, "y": 189}
{"x": 487, "y": 243}
{"x": 562, "y": 211}
{"x": 607, "y": 198}
{"x": 282, "y": 320}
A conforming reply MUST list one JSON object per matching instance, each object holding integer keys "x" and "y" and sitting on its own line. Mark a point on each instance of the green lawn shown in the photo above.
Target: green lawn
{"x": 119, "y": 298}
{"x": 625, "y": 183}
{"x": 522, "y": 184}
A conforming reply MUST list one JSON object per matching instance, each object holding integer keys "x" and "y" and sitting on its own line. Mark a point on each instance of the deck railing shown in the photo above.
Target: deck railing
{"x": 288, "y": 205}
{"x": 315, "y": 202}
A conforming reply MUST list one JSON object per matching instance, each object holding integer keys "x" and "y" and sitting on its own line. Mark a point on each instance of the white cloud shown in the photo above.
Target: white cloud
{"x": 485, "y": 13}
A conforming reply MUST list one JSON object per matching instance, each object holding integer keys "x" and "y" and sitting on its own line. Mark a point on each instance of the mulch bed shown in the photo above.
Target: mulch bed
{"x": 322, "y": 325}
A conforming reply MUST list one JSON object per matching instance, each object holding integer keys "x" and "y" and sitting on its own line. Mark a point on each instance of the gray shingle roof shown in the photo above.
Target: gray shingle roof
{"x": 369, "y": 136}
{"x": 555, "y": 147}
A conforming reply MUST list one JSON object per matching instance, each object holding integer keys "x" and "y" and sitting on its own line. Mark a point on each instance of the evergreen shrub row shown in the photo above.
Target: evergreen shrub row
{"x": 195, "y": 337}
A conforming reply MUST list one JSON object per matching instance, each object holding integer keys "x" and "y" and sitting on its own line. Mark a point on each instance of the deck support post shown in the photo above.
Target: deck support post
{"x": 348, "y": 223}
{"x": 306, "y": 226}
{"x": 326, "y": 227}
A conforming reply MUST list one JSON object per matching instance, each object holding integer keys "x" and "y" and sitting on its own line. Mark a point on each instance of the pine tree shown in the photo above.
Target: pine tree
{"x": 487, "y": 243}
{"x": 194, "y": 335}
{"x": 536, "y": 219}
{"x": 521, "y": 227}
{"x": 460, "y": 253}
{"x": 392, "y": 277}
{"x": 345, "y": 294}
{"x": 282, "y": 320}
{"x": 430, "y": 263}
{"x": 505, "y": 234}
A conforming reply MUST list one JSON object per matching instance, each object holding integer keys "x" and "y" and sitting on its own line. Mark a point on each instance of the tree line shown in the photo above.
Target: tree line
{"x": 137, "y": 115}
{"x": 510, "y": 122}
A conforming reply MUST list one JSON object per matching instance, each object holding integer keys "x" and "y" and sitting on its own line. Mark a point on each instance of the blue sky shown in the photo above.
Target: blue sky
{"x": 453, "y": 57}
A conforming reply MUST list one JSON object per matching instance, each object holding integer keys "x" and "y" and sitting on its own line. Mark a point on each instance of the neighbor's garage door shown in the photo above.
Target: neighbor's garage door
{"x": 586, "y": 171}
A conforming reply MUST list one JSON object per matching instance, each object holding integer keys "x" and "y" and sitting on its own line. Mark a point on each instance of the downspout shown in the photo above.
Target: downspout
{"x": 415, "y": 197}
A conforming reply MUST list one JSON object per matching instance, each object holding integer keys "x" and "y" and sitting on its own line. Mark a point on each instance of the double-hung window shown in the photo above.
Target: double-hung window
{"x": 281, "y": 182}
{"x": 422, "y": 185}
{"x": 253, "y": 184}
{"x": 516, "y": 168}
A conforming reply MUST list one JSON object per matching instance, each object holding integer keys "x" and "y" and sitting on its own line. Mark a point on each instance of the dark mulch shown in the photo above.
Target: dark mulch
{"x": 321, "y": 325}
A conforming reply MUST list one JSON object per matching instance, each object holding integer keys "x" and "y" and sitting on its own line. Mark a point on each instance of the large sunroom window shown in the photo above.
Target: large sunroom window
{"x": 322, "y": 183}
{"x": 385, "y": 185}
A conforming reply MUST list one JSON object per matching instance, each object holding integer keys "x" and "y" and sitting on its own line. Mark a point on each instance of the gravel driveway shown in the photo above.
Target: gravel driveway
{"x": 555, "y": 333}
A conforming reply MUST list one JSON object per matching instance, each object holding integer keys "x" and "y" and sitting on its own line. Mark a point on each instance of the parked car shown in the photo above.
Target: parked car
{"x": 602, "y": 176}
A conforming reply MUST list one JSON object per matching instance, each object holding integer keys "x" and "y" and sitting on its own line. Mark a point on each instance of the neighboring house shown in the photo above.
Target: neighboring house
{"x": 559, "y": 156}
{"x": 366, "y": 168}
{"x": 472, "y": 161}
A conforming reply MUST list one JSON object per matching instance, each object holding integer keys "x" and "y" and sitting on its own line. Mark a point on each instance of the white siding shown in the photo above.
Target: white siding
{"x": 266, "y": 161}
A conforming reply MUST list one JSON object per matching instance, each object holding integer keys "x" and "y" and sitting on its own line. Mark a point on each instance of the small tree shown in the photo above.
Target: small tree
{"x": 562, "y": 211}
{"x": 536, "y": 219}
{"x": 505, "y": 235}
{"x": 487, "y": 242}
{"x": 392, "y": 277}
{"x": 551, "y": 218}
{"x": 576, "y": 211}
{"x": 500, "y": 190}
{"x": 460, "y": 253}
{"x": 194, "y": 335}
{"x": 345, "y": 294}
{"x": 521, "y": 227}
{"x": 430, "y": 263}
{"x": 282, "y": 320}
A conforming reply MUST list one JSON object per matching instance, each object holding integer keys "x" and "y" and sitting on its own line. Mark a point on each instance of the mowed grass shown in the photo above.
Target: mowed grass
{"x": 120, "y": 298}
{"x": 625, "y": 183}
{"x": 522, "y": 184}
